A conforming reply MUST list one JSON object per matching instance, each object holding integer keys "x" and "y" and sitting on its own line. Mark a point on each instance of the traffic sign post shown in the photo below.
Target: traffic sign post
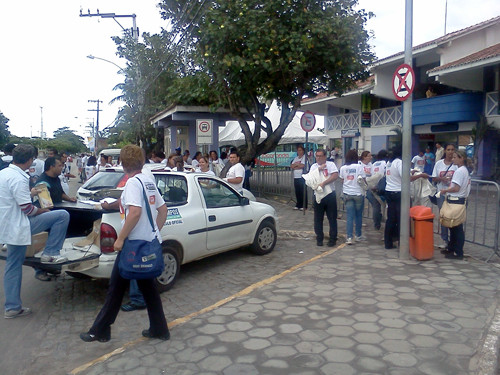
{"x": 403, "y": 82}
{"x": 204, "y": 132}
{"x": 307, "y": 122}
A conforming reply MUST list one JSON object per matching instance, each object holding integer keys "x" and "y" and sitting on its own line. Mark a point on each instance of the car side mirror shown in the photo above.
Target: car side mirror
{"x": 244, "y": 201}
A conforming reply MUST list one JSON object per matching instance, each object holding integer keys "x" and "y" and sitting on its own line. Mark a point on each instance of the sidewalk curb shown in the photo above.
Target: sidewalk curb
{"x": 487, "y": 356}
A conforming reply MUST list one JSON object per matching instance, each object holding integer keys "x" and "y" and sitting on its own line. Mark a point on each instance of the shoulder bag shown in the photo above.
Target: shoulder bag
{"x": 453, "y": 212}
{"x": 140, "y": 259}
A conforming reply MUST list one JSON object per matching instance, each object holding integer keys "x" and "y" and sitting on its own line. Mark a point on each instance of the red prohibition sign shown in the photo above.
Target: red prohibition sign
{"x": 403, "y": 82}
{"x": 204, "y": 126}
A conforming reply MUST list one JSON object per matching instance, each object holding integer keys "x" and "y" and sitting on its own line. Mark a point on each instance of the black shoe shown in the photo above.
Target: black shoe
{"x": 389, "y": 247}
{"x": 164, "y": 337}
{"x": 331, "y": 243}
{"x": 319, "y": 243}
{"x": 131, "y": 306}
{"x": 454, "y": 256}
{"x": 89, "y": 337}
{"x": 446, "y": 251}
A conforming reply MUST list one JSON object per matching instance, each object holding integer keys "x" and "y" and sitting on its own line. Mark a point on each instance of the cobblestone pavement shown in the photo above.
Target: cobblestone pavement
{"x": 348, "y": 310}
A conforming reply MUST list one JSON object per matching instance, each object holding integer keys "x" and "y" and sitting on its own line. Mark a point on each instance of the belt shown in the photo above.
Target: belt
{"x": 455, "y": 200}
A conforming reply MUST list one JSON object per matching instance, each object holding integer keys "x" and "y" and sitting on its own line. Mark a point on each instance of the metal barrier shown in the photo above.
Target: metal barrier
{"x": 483, "y": 216}
{"x": 483, "y": 208}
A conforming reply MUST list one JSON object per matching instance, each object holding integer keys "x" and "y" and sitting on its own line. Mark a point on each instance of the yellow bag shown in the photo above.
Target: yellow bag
{"x": 452, "y": 213}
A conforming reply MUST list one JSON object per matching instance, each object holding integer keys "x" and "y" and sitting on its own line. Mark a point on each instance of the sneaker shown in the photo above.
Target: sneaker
{"x": 446, "y": 251}
{"x": 454, "y": 256}
{"x": 89, "y": 337}
{"x": 48, "y": 259}
{"x": 295, "y": 208}
{"x": 43, "y": 276}
{"x": 319, "y": 243}
{"x": 331, "y": 243}
{"x": 132, "y": 306}
{"x": 349, "y": 241}
{"x": 17, "y": 313}
{"x": 301, "y": 209}
{"x": 164, "y": 337}
{"x": 443, "y": 245}
{"x": 360, "y": 238}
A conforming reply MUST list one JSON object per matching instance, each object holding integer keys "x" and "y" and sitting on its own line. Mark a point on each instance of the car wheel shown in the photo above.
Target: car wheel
{"x": 265, "y": 239}
{"x": 171, "y": 271}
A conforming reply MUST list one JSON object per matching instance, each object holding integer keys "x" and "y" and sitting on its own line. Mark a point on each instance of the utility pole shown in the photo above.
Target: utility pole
{"x": 134, "y": 31}
{"x": 41, "y": 122}
{"x": 96, "y": 129}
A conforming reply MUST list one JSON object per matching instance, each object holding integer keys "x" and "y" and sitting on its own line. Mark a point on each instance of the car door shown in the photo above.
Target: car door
{"x": 229, "y": 223}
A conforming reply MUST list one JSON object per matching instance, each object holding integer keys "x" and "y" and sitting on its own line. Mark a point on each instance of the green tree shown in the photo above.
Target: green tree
{"x": 65, "y": 139}
{"x": 243, "y": 54}
{"x": 4, "y": 130}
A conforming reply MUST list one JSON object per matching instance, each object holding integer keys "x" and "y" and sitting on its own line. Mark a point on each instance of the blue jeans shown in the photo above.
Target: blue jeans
{"x": 354, "y": 205}
{"x": 57, "y": 221}
{"x": 377, "y": 209}
{"x": 135, "y": 294}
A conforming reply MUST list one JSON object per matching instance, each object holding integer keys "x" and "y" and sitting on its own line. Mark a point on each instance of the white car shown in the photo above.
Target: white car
{"x": 206, "y": 216}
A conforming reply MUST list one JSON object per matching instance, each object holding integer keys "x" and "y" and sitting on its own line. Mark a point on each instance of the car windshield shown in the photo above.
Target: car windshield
{"x": 173, "y": 189}
{"x": 103, "y": 180}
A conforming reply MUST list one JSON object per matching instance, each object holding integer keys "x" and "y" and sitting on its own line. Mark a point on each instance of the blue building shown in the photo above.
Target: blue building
{"x": 457, "y": 82}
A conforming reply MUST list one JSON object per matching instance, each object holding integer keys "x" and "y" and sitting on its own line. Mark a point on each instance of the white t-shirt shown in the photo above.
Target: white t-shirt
{"x": 14, "y": 192}
{"x": 84, "y": 161}
{"x": 209, "y": 172}
{"x": 133, "y": 196}
{"x": 440, "y": 170}
{"x": 237, "y": 170}
{"x": 90, "y": 170}
{"x": 195, "y": 163}
{"x": 379, "y": 167}
{"x": 418, "y": 162}
{"x": 297, "y": 173}
{"x": 393, "y": 175}
{"x": 367, "y": 168}
{"x": 461, "y": 178}
{"x": 331, "y": 168}
{"x": 350, "y": 174}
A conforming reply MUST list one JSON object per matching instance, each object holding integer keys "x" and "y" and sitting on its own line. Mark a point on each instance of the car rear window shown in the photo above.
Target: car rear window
{"x": 173, "y": 189}
{"x": 103, "y": 180}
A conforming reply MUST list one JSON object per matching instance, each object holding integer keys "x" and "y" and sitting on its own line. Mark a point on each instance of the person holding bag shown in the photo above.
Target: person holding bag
{"x": 457, "y": 194}
{"x": 145, "y": 212}
{"x": 442, "y": 175}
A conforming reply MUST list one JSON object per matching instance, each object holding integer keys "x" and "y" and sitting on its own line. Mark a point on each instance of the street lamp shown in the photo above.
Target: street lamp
{"x": 92, "y": 57}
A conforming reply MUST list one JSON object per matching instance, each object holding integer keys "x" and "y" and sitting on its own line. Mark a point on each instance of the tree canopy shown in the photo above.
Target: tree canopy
{"x": 243, "y": 54}
{"x": 4, "y": 130}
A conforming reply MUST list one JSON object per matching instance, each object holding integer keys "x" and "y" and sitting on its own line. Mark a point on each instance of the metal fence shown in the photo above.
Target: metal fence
{"x": 483, "y": 208}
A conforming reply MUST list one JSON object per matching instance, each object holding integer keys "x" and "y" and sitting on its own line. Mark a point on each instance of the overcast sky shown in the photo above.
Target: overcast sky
{"x": 44, "y": 46}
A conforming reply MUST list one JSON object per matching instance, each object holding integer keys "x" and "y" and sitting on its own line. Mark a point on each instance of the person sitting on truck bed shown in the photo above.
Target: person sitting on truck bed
{"x": 20, "y": 219}
{"x": 50, "y": 177}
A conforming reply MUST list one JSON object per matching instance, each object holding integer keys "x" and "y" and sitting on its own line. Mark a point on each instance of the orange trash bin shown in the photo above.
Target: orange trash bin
{"x": 421, "y": 232}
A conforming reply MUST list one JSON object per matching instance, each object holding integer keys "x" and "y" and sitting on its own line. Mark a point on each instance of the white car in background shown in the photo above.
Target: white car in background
{"x": 206, "y": 216}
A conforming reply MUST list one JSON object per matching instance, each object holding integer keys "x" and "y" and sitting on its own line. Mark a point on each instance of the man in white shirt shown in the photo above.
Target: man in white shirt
{"x": 328, "y": 204}
{"x": 20, "y": 219}
{"x": 418, "y": 161}
{"x": 36, "y": 169}
{"x": 236, "y": 173}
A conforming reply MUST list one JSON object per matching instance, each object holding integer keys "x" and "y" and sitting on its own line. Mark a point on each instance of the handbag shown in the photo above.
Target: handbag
{"x": 140, "y": 259}
{"x": 453, "y": 212}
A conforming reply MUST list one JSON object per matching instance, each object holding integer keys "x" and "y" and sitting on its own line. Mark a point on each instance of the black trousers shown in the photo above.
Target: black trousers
{"x": 300, "y": 185}
{"x": 116, "y": 290}
{"x": 393, "y": 199}
{"x": 457, "y": 240}
{"x": 327, "y": 205}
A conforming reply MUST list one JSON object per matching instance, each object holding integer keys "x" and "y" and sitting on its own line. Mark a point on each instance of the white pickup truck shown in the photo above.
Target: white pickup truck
{"x": 206, "y": 216}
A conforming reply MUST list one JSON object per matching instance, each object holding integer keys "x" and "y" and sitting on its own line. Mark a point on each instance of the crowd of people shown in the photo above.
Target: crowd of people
{"x": 444, "y": 171}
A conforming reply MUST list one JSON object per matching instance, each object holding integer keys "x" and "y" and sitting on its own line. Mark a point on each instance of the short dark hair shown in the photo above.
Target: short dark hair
{"x": 322, "y": 151}
{"x": 50, "y": 162}
{"x": 54, "y": 150}
{"x": 351, "y": 157}
{"x": 22, "y": 153}
{"x": 302, "y": 147}
{"x": 234, "y": 152}
{"x": 382, "y": 155}
{"x": 92, "y": 160}
{"x": 8, "y": 148}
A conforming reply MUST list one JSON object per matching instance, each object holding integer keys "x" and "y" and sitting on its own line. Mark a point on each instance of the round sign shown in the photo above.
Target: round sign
{"x": 403, "y": 82}
{"x": 204, "y": 126}
{"x": 308, "y": 121}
